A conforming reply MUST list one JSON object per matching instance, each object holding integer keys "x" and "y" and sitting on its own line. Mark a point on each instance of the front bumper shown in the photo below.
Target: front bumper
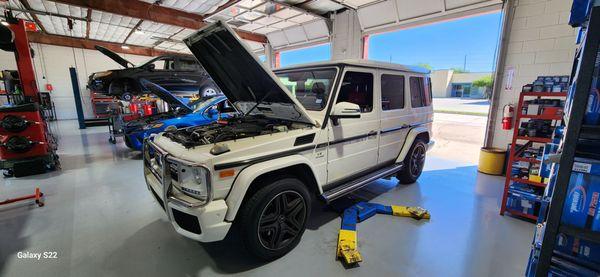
{"x": 205, "y": 223}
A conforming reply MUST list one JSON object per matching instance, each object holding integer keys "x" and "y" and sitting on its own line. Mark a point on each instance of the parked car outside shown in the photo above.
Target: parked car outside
{"x": 196, "y": 113}
{"x": 180, "y": 74}
{"x": 316, "y": 131}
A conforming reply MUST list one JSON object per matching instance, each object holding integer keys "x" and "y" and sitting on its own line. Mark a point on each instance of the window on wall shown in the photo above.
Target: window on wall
{"x": 420, "y": 92}
{"x": 392, "y": 92}
{"x": 357, "y": 88}
{"x": 317, "y": 53}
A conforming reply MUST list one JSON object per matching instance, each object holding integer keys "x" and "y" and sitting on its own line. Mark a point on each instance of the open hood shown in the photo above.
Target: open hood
{"x": 165, "y": 95}
{"x": 241, "y": 76}
{"x": 114, "y": 56}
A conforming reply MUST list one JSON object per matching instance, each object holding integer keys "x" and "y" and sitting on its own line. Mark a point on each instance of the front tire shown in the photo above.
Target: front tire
{"x": 413, "y": 163}
{"x": 274, "y": 218}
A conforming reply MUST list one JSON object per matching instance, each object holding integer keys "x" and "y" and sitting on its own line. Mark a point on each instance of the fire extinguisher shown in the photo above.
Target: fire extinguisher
{"x": 507, "y": 118}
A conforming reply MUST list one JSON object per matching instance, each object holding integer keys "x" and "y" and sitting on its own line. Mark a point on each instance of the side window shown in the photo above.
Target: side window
{"x": 164, "y": 64}
{"x": 357, "y": 88}
{"x": 188, "y": 65}
{"x": 417, "y": 91}
{"x": 428, "y": 93}
{"x": 226, "y": 107}
{"x": 392, "y": 92}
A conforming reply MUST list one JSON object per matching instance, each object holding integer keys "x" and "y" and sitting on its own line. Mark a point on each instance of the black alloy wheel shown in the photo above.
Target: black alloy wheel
{"x": 282, "y": 220}
{"x": 273, "y": 219}
{"x": 14, "y": 124}
{"x": 413, "y": 163}
{"x": 417, "y": 160}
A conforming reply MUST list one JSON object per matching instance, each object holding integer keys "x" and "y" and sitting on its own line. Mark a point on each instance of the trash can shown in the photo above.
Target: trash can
{"x": 491, "y": 161}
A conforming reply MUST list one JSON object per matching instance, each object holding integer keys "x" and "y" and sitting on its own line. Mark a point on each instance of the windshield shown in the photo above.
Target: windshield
{"x": 200, "y": 104}
{"x": 310, "y": 86}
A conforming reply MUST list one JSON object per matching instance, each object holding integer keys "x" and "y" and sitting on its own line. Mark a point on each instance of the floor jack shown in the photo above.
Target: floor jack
{"x": 37, "y": 196}
{"x": 347, "y": 248}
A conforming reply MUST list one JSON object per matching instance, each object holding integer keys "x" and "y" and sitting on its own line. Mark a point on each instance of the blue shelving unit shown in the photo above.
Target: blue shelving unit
{"x": 567, "y": 242}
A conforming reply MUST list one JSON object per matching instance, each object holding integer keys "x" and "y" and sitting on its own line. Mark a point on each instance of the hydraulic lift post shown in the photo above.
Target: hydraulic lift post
{"x": 24, "y": 60}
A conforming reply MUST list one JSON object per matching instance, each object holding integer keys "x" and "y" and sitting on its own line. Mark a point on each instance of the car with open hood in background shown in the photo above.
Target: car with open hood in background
{"x": 196, "y": 113}
{"x": 178, "y": 73}
{"x": 315, "y": 131}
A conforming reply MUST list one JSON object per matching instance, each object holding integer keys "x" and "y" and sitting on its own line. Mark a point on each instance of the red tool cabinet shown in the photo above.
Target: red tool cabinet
{"x": 24, "y": 140}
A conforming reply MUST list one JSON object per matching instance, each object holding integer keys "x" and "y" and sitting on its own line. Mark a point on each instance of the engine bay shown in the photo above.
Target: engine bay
{"x": 231, "y": 129}
{"x": 155, "y": 117}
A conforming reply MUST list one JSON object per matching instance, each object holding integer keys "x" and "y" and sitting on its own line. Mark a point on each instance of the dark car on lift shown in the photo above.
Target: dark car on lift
{"x": 178, "y": 73}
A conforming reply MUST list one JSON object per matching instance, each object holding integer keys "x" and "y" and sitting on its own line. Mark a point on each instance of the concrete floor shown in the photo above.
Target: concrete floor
{"x": 101, "y": 220}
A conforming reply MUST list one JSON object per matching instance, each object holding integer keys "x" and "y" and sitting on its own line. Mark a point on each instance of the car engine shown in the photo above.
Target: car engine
{"x": 230, "y": 129}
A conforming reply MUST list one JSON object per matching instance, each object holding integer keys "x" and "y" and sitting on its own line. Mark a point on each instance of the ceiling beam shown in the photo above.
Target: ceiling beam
{"x": 156, "y": 13}
{"x": 37, "y": 37}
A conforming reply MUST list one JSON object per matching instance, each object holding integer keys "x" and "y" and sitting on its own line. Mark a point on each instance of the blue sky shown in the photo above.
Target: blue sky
{"x": 442, "y": 45}
{"x": 306, "y": 55}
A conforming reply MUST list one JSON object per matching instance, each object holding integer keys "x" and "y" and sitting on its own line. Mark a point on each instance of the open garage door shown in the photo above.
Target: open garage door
{"x": 379, "y": 16}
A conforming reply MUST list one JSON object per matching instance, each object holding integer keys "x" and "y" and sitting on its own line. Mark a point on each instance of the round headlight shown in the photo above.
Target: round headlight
{"x": 193, "y": 181}
{"x": 102, "y": 74}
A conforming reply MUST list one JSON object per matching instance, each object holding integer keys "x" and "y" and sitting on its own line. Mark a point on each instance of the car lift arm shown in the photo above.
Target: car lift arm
{"x": 347, "y": 247}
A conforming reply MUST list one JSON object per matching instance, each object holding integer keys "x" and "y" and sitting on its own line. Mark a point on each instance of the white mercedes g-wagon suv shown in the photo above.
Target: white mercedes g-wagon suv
{"x": 317, "y": 131}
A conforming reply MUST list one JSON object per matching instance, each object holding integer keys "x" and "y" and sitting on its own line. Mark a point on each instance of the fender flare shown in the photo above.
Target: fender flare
{"x": 245, "y": 178}
{"x": 410, "y": 139}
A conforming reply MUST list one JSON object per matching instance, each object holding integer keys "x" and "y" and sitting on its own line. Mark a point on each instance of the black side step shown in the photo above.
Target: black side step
{"x": 353, "y": 185}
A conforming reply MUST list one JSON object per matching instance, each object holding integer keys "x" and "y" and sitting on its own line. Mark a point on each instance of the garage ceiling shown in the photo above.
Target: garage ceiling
{"x": 285, "y": 23}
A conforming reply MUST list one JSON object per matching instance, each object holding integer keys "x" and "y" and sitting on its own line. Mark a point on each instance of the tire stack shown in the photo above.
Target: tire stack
{"x": 26, "y": 147}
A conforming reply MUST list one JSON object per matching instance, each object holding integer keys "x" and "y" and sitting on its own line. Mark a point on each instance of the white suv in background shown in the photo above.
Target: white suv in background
{"x": 314, "y": 131}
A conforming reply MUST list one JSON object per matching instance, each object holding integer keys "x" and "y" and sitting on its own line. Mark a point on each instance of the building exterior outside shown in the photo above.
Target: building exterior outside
{"x": 447, "y": 83}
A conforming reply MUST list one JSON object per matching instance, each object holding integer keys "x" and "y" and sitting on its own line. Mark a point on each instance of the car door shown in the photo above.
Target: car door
{"x": 396, "y": 115}
{"x": 353, "y": 142}
{"x": 162, "y": 73}
{"x": 187, "y": 75}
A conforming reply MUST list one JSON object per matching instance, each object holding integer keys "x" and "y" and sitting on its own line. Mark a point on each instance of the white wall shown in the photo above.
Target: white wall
{"x": 469, "y": 77}
{"x": 540, "y": 43}
{"x": 440, "y": 82}
{"x": 52, "y": 66}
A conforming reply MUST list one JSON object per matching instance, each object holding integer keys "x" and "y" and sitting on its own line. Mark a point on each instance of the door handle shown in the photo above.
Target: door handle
{"x": 372, "y": 133}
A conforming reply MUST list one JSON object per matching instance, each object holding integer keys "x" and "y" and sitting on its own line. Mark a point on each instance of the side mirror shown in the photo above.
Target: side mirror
{"x": 151, "y": 67}
{"x": 344, "y": 110}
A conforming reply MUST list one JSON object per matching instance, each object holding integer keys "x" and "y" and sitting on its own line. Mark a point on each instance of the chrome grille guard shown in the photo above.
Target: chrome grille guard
{"x": 154, "y": 156}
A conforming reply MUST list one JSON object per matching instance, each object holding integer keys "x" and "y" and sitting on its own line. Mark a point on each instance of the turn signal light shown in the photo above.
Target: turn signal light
{"x": 226, "y": 173}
